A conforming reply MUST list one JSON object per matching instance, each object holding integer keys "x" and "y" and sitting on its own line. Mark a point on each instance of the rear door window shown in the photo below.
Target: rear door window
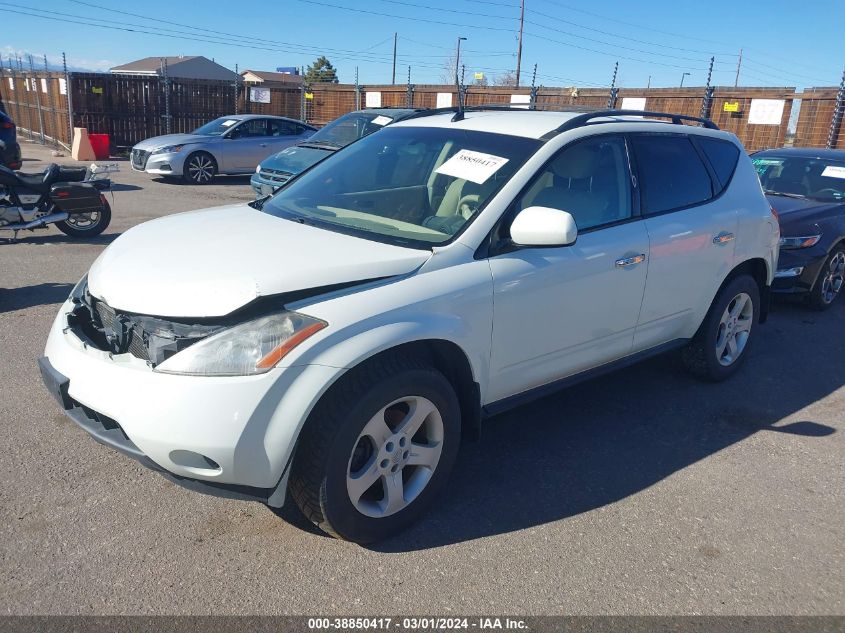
{"x": 671, "y": 173}
{"x": 723, "y": 157}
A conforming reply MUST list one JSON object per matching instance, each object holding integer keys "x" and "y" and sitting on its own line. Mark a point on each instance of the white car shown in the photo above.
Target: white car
{"x": 339, "y": 340}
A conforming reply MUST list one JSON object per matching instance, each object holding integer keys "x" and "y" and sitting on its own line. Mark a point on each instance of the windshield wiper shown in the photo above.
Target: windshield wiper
{"x": 797, "y": 196}
{"x": 320, "y": 144}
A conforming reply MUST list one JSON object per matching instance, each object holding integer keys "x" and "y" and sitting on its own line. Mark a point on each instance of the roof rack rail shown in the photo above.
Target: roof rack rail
{"x": 493, "y": 107}
{"x": 587, "y": 119}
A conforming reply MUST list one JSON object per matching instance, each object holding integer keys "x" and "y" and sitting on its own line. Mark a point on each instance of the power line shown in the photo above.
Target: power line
{"x": 405, "y": 17}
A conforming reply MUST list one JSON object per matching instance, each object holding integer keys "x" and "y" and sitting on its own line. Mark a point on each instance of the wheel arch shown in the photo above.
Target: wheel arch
{"x": 758, "y": 269}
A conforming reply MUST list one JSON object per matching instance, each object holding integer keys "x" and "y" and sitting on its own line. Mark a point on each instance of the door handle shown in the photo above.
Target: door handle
{"x": 630, "y": 261}
{"x": 263, "y": 144}
{"x": 723, "y": 238}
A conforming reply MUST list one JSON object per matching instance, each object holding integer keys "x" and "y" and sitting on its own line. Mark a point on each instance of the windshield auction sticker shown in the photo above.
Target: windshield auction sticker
{"x": 834, "y": 171}
{"x": 473, "y": 166}
{"x": 382, "y": 120}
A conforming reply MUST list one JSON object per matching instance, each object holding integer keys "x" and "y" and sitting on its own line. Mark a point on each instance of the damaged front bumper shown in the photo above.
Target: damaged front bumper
{"x": 233, "y": 435}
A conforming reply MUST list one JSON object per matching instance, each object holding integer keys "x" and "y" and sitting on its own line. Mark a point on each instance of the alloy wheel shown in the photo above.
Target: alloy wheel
{"x": 83, "y": 221}
{"x": 833, "y": 278}
{"x": 734, "y": 329}
{"x": 395, "y": 456}
{"x": 200, "y": 169}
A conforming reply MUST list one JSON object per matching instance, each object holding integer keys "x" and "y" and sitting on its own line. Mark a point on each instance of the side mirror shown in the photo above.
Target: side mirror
{"x": 542, "y": 226}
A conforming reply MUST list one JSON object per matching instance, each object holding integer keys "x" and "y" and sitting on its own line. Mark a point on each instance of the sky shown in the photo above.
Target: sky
{"x": 784, "y": 43}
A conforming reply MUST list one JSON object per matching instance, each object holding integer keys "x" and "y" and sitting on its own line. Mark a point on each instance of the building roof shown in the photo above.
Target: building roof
{"x": 184, "y": 66}
{"x": 266, "y": 75}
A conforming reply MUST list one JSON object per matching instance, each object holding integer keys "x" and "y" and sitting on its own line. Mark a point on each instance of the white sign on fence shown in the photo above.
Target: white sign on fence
{"x": 62, "y": 85}
{"x": 765, "y": 111}
{"x": 633, "y": 103}
{"x": 43, "y": 85}
{"x": 521, "y": 101}
{"x": 259, "y": 95}
{"x": 11, "y": 84}
{"x": 444, "y": 100}
{"x": 372, "y": 99}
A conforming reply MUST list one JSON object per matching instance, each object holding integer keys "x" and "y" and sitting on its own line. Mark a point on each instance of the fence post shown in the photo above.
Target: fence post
{"x": 614, "y": 91}
{"x": 166, "y": 80}
{"x": 69, "y": 91}
{"x": 237, "y": 88}
{"x": 15, "y": 89}
{"x": 533, "y": 98}
{"x": 357, "y": 91}
{"x": 409, "y": 97}
{"x": 302, "y": 104}
{"x": 50, "y": 108}
{"x": 707, "y": 101}
{"x": 37, "y": 87}
{"x": 836, "y": 121}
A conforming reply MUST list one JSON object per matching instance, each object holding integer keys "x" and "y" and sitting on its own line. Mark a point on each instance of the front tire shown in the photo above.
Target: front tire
{"x": 86, "y": 224}
{"x": 377, "y": 449}
{"x": 830, "y": 281}
{"x": 721, "y": 344}
{"x": 199, "y": 169}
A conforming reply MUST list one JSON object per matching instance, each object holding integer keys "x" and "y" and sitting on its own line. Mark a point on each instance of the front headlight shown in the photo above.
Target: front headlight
{"x": 250, "y": 348}
{"x": 169, "y": 149}
{"x": 799, "y": 242}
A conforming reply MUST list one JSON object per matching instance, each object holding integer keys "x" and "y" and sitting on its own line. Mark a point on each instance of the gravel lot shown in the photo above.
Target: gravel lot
{"x": 643, "y": 492}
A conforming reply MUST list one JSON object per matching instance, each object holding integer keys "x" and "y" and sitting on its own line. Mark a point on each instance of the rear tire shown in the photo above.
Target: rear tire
{"x": 199, "y": 168}
{"x": 721, "y": 344}
{"x": 829, "y": 283}
{"x": 82, "y": 224}
{"x": 366, "y": 466}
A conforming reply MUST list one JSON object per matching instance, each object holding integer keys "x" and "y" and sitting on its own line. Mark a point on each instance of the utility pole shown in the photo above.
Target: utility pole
{"x": 519, "y": 45}
{"x": 458, "y": 59}
{"x": 738, "y": 66}
{"x": 649, "y": 83}
{"x": 393, "y": 80}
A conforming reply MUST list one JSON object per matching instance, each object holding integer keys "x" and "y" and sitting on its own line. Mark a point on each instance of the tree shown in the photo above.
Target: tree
{"x": 506, "y": 79}
{"x": 321, "y": 71}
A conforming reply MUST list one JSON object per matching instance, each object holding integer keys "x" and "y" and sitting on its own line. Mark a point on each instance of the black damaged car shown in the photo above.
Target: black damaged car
{"x": 806, "y": 187}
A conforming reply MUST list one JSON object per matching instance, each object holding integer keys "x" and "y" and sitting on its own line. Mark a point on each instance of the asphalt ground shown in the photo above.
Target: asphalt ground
{"x": 642, "y": 492}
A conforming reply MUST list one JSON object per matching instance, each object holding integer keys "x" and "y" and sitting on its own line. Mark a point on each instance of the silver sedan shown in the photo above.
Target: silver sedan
{"x": 228, "y": 145}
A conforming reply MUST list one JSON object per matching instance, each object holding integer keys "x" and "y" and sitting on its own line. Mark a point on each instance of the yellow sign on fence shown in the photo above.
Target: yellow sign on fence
{"x": 97, "y": 90}
{"x": 309, "y": 95}
{"x": 731, "y": 107}
{"x": 479, "y": 76}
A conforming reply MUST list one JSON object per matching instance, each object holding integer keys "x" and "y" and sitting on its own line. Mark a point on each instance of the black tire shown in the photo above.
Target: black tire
{"x": 199, "y": 168}
{"x": 823, "y": 295}
{"x": 91, "y": 230}
{"x": 318, "y": 481}
{"x": 700, "y": 356}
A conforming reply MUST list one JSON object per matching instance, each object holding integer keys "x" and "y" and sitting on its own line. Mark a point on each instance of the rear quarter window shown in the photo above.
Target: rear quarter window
{"x": 723, "y": 157}
{"x": 671, "y": 173}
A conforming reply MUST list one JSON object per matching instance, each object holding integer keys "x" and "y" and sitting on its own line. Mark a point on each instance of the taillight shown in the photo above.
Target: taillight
{"x": 7, "y": 125}
{"x": 63, "y": 194}
{"x": 775, "y": 213}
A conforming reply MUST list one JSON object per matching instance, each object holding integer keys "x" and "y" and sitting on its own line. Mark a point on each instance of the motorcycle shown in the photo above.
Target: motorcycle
{"x": 72, "y": 198}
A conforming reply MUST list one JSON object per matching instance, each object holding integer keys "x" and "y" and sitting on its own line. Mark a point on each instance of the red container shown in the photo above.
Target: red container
{"x": 100, "y": 145}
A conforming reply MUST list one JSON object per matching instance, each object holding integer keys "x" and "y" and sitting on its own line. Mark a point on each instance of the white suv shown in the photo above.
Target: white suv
{"x": 339, "y": 338}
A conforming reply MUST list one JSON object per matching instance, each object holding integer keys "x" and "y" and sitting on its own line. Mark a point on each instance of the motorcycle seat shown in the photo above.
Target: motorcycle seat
{"x": 43, "y": 181}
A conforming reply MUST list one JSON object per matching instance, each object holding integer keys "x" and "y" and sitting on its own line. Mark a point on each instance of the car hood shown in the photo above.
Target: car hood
{"x": 209, "y": 263}
{"x": 796, "y": 214}
{"x": 171, "y": 139}
{"x": 296, "y": 159}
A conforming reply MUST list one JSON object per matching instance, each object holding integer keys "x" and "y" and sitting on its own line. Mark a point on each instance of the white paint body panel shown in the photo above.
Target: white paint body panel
{"x": 211, "y": 262}
{"x": 523, "y": 319}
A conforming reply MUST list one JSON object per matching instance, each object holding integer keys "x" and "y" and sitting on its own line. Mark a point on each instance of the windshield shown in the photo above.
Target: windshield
{"x": 413, "y": 186}
{"x": 801, "y": 176}
{"x": 217, "y": 127}
{"x": 350, "y": 127}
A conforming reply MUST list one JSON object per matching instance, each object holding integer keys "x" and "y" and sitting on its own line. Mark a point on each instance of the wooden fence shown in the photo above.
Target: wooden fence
{"x": 131, "y": 108}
